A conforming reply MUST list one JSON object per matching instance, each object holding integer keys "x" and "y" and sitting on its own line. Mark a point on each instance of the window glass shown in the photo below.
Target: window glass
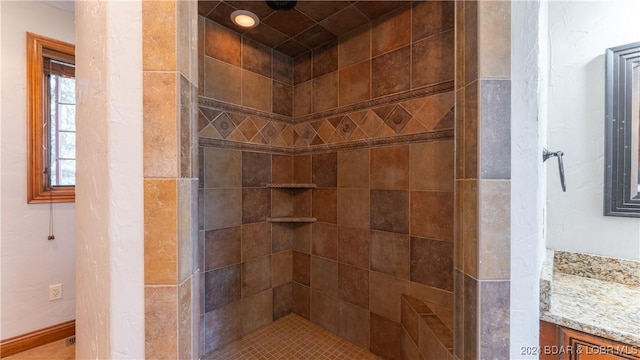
{"x": 62, "y": 126}
{"x": 51, "y": 120}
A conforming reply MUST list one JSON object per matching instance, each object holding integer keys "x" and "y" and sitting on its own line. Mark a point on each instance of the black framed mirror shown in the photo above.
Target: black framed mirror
{"x": 622, "y": 131}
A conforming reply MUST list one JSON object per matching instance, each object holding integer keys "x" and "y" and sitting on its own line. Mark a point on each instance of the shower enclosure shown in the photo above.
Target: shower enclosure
{"x": 327, "y": 159}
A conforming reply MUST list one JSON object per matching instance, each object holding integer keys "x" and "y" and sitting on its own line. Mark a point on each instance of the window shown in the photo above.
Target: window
{"x": 51, "y": 120}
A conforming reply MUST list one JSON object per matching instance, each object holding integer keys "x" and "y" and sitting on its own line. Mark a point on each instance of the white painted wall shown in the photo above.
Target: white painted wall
{"x": 30, "y": 263}
{"x": 528, "y": 121}
{"x": 110, "y": 218}
{"x": 579, "y": 33}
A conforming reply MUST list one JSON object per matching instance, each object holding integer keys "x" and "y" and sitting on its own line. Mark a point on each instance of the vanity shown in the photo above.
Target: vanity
{"x": 589, "y": 307}
{"x": 590, "y": 304}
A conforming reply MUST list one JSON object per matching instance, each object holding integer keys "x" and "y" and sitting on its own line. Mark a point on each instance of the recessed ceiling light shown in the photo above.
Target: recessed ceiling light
{"x": 244, "y": 18}
{"x": 281, "y": 5}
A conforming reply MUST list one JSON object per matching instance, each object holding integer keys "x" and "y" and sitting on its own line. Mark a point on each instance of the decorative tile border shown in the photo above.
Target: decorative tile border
{"x": 204, "y": 102}
{"x": 226, "y": 144}
{"x": 438, "y": 135}
{"x": 392, "y": 122}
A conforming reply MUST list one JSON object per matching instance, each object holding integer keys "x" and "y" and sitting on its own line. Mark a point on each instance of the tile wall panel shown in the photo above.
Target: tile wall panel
{"x": 324, "y": 240}
{"x": 389, "y": 253}
{"x": 282, "y": 300}
{"x": 339, "y": 77}
{"x": 353, "y": 285}
{"x": 379, "y": 148}
{"x": 353, "y": 246}
{"x": 160, "y": 315}
{"x": 161, "y": 256}
{"x": 170, "y": 124}
{"x": 160, "y": 138}
{"x": 354, "y": 324}
{"x": 324, "y": 310}
{"x": 385, "y": 337}
{"x": 483, "y": 172}
{"x": 359, "y": 258}
{"x": 391, "y": 31}
{"x": 222, "y": 247}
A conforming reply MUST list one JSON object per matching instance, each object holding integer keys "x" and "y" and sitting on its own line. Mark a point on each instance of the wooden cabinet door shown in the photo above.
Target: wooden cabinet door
{"x": 576, "y": 345}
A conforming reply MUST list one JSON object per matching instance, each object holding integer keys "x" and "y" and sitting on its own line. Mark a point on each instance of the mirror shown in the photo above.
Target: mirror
{"x": 622, "y": 131}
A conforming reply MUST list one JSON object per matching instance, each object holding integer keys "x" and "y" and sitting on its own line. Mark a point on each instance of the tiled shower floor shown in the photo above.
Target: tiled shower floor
{"x": 291, "y": 337}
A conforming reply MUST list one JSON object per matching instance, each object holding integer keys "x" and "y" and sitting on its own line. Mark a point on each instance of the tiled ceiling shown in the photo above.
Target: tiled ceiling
{"x": 308, "y": 25}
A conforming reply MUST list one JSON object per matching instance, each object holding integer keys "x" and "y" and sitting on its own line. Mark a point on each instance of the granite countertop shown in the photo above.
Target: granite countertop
{"x": 592, "y": 294}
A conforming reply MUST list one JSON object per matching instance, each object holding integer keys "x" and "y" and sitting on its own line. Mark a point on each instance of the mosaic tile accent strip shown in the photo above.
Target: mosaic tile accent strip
{"x": 291, "y": 337}
{"x": 437, "y": 135}
{"x": 598, "y": 267}
{"x": 224, "y": 125}
{"x": 408, "y": 117}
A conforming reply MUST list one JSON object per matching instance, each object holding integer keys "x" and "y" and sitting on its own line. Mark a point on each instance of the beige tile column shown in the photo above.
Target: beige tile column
{"x": 170, "y": 77}
{"x": 483, "y": 172}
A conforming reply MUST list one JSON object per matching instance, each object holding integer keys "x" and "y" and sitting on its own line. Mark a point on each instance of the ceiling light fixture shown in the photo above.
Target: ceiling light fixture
{"x": 244, "y": 18}
{"x": 281, "y": 5}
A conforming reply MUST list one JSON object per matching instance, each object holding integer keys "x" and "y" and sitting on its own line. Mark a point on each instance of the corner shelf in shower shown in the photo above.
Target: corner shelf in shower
{"x": 291, "y": 186}
{"x": 291, "y": 219}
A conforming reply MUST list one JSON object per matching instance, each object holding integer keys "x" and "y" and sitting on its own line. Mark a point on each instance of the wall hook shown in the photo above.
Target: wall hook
{"x": 546, "y": 154}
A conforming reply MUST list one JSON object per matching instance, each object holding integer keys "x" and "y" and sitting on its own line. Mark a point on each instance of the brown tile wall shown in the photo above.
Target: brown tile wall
{"x": 378, "y": 59}
{"x": 385, "y": 228}
{"x": 240, "y": 71}
{"x": 357, "y": 260}
{"x": 424, "y": 332}
{"x": 248, "y": 262}
{"x": 170, "y": 170}
{"x": 385, "y": 213}
{"x": 483, "y": 171}
{"x": 357, "y": 88}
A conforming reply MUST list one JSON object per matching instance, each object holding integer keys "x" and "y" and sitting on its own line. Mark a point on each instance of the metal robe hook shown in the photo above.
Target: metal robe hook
{"x": 547, "y": 154}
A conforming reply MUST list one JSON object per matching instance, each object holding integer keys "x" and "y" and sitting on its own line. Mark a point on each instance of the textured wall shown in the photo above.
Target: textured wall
{"x": 109, "y": 230}
{"x": 529, "y": 89}
{"x": 30, "y": 263}
{"x": 576, "y": 126}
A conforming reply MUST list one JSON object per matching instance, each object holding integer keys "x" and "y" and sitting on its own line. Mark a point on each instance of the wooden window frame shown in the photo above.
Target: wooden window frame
{"x": 38, "y": 188}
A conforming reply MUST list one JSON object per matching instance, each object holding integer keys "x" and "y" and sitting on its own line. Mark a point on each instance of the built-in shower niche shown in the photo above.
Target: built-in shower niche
{"x": 289, "y": 203}
{"x": 368, "y": 120}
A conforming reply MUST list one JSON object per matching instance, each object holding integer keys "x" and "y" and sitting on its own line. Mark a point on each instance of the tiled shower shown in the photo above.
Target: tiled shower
{"x": 327, "y": 180}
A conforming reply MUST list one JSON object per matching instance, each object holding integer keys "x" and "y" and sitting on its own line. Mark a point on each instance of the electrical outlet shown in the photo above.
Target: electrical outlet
{"x": 55, "y": 292}
{"x": 70, "y": 341}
